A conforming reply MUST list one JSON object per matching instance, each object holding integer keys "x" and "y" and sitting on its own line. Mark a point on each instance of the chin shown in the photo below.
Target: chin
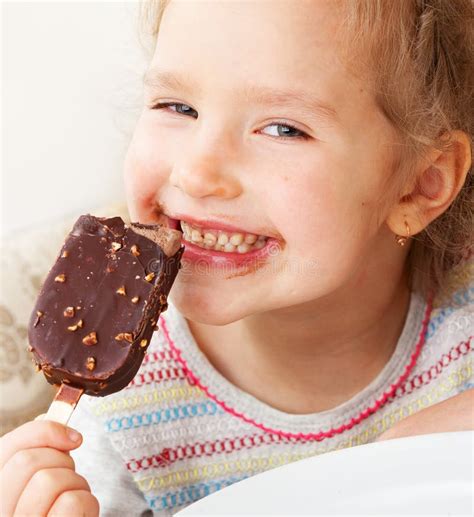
{"x": 207, "y": 308}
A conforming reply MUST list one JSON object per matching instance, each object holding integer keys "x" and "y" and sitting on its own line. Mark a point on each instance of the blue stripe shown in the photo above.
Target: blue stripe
{"x": 189, "y": 494}
{"x": 466, "y": 386}
{"x": 462, "y": 297}
{"x": 162, "y": 416}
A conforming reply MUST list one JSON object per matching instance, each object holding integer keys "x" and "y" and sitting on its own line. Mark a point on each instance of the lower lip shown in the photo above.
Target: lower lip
{"x": 222, "y": 259}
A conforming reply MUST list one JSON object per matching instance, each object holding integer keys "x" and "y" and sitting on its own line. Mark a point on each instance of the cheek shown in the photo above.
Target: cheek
{"x": 145, "y": 172}
{"x": 310, "y": 207}
{"x": 323, "y": 218}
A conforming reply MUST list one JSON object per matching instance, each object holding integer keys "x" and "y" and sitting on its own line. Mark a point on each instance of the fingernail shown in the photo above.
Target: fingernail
{"x": 73, "y": 435}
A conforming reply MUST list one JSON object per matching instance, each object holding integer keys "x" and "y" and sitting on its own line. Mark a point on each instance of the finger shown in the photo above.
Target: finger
{"x": 21, "y": 467}
{"x": 38, "y": 434}
{"x": 75, "y": 502}
{"x": 45, "y": 487}
{"x": 41, "y": 417}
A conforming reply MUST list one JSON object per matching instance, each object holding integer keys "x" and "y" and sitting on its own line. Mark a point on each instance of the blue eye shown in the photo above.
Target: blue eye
{"x": 183, "y": 109}
{"x": 286, "y": 131}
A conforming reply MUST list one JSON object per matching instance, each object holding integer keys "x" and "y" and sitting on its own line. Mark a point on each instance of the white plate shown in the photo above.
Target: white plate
{"x": 429, "y": 474}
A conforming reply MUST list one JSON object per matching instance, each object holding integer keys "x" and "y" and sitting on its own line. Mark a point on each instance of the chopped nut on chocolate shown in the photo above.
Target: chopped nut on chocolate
{"x": 135, "y": 299}
{"x": 150, "y": 277}
{"x": 144, "y": 343}
{"x": 124, "y": 336}
{"x": 121, "y": 291}
{"x": 116, "y": 246}
{"x": 90, "y": 363}
{"x": 111, "y": 268}
{"x": 69, "y": 312}
{"x": 135, "y": 251}
{"x": 60, "y": 278}
{"x": 65, "y": 254}
{"x": 76, "y": 326}
{"x": 90, "y": 339}
{"x": 163, "y": 298}
{"x": 38, "y": 316}
{"x": 37, "y": 368}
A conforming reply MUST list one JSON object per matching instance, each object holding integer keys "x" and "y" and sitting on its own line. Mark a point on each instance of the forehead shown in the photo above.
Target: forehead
{"x": 282, "y": 42}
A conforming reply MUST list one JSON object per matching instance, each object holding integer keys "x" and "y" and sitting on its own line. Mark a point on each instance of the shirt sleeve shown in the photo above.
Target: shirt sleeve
{"x": 101, "y": 465}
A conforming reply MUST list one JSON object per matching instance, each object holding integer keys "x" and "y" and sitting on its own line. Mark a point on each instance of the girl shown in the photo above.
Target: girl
{"x": 317, "y": 156}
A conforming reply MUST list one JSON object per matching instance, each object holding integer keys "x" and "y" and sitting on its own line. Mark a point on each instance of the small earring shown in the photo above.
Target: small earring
{"x": 400, "y": 239}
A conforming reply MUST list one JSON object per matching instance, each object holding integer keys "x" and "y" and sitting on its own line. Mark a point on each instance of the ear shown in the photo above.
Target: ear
{"x": 439, "y": 178}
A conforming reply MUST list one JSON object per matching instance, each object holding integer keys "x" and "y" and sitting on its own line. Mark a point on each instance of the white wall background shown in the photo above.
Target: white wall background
{"x": 71, "y": 93}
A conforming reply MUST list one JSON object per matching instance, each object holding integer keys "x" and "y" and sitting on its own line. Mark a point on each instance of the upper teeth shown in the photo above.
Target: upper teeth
{"x": 222, "y": 241}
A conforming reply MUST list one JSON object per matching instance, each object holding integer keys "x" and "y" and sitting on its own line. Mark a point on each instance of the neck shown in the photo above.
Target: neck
{"x": 311, "y": 357}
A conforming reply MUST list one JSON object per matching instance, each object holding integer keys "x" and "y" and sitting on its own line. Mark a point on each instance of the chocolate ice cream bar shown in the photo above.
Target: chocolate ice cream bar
{"x": 99, "y": 305}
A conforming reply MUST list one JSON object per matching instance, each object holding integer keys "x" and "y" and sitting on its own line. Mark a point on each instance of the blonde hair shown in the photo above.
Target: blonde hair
{"x": 420, "y": 58}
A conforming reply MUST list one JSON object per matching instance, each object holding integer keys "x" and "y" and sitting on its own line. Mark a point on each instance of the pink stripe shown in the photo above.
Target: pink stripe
{"x": 425, "y": 377}
{"x": 311, "y": 436}
{"x": 170, "y": 455}
{"x": 166, "y": 374}
{"x": 160, "y": 356}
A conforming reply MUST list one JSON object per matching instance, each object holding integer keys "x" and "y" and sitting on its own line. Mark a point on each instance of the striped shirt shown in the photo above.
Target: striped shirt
{"x": 181, "y": 431}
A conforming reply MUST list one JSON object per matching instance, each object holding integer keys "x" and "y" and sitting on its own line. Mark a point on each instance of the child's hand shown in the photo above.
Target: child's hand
{"x": 37, "y": 475}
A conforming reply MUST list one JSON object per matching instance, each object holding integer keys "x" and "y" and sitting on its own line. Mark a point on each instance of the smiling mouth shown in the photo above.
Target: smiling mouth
{"x": 221, "y": 240}
{"x": 217, "y": 238}
{"x": 214, "y": 235}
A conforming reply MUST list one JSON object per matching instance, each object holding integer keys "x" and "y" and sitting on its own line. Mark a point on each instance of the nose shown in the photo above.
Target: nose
{"x": 206, "y": 169}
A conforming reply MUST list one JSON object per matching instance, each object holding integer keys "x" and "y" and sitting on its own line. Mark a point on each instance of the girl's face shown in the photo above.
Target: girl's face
{"x": 263, "y": 131}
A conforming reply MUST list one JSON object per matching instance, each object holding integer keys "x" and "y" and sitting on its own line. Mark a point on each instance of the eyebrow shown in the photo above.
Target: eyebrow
{"x": 160, "y": 79}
